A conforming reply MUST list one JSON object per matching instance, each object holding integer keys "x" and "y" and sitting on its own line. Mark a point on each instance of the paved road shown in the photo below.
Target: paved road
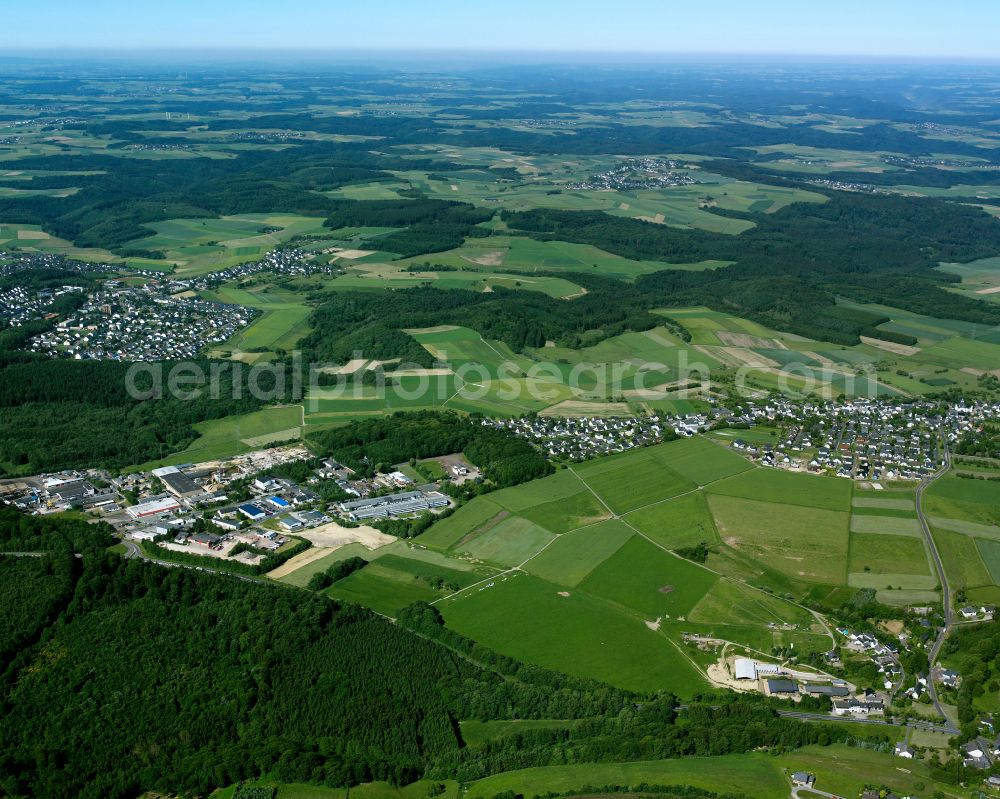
{"x": 942, "y": 579}
{"x": 947, "y": 729}
{"x": 809, "y": 792}
{"x": 133, "y": 550}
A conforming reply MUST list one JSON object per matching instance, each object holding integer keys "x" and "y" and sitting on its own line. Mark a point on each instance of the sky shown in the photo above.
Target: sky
{"x": 895, "y": 29}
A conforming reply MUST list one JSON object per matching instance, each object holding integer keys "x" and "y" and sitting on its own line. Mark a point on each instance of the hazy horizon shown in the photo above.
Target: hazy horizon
{"x": 771, "y": 30}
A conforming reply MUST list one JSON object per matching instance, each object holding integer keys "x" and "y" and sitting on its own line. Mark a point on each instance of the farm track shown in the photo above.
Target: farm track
{"x": 942, "y": 579}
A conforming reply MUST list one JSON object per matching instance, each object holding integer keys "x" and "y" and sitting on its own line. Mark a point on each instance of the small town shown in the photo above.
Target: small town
{"x": 638, "y": 174}
{"x": 146, "y": 323}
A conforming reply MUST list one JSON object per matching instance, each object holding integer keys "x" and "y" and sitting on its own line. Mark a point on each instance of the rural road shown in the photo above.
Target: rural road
{"x": 916, "y": 725}
{"x": 801, "y": 792}
{"x": 133, "y": 550}
{"x": 932, "y": 656}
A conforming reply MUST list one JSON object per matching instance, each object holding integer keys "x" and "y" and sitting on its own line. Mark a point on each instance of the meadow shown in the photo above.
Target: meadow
{"x": 233, "y": 435}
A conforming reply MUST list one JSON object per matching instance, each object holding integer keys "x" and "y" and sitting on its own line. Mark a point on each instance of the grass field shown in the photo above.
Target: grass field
{"x": 536, "y": 621}
{"x": 839, "y": 769}
{"x": 962, "y": 561}
{"x": 887, "y": 554}
{"x": 642, "y": 577}
{"x": 508, "y": 543}
{"x": 808, "y": 543}
{"x": 575, "y": 555}
{"x": 885, "y": 525}
{"x": 630, "y": 483}
{"x": 283, "y": 320}
{"x": 382, "y": 588}
{"x": 754, "y": 775}
{"x": 774, "y": 485}
{"x": 681, "y": 522}
{"x": 233, "y": 435}
{"x": 990, "y": 553}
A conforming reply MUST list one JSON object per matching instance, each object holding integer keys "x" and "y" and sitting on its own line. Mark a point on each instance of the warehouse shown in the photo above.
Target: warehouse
{"x": 152, "y": 508}
{"x": 392, "y": 505}
{"x": 180, "y": 485}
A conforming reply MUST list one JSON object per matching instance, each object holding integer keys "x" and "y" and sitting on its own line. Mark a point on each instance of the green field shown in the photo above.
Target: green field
{"x": 962, "y": 561}
{"x": 839, "y": 769}
{"x": 887, "y": 554}
{"x": 531, "y": 619}
{"x": 754, "y": 775}
{"x": 569, "y": 559}
{"x": 233, "y": 435}
{"x": 885, "y": 525}
{"x": 774, "y": 485}
{"x": 807, "y": 543}
{"x": 990, "y": 553}
{"x": 681, "y": 522}
{"x": 508, "y": 543}
{"x": 642, "y": 577}
{"x": 199, "y": 246}
{"x": 628, "y": 484}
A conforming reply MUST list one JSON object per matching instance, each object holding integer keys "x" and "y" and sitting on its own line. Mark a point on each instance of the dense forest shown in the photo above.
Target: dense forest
{"x": 794, "y": 264}
{"x": 371, "y": 445}
{"x": 57, "y": 414}
{"x": 371, "y": 322}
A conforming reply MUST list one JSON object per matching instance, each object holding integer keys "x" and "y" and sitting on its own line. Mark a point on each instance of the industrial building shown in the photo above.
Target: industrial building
{"x": 392, "y": 505}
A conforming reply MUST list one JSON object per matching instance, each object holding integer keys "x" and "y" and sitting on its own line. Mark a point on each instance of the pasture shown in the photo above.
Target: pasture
{"x": 643, "y": 578}
{"x": 681, "y": 522}
{"x": 569, "y": 630}
{"x": 807, "y": 543}
{"x": 572, "y": 557}
{"x": 778, "y": 486}
{"x": 962, "y": 561}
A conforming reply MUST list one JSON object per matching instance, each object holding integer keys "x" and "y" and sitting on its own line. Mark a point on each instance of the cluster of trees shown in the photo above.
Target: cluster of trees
{"x": 429, "y": 225}
{"x": 977, "y": 651}
{"x": 337, "y": 572}
{"x": 982, "y": 444}
{"x": 371, "y": 445}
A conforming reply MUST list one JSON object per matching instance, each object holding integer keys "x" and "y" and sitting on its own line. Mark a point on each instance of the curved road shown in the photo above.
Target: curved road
{"x": 133, "y": 550}
{"x": 942, "y": 579}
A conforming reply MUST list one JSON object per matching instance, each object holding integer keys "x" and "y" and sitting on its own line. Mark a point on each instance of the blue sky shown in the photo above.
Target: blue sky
{"x": 966, "y": 29}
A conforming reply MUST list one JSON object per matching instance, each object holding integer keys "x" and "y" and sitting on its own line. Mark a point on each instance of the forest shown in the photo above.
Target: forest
{"x": 371, "y": 445}
{"x": 57, "y": 414}
{"x": 372, "y": 322}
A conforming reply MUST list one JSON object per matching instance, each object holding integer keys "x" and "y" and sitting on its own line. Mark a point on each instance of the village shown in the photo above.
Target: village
{"x": 860, "y": 439}
{"x": 147, "y": 323}
{"x": 639, "y": 174}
